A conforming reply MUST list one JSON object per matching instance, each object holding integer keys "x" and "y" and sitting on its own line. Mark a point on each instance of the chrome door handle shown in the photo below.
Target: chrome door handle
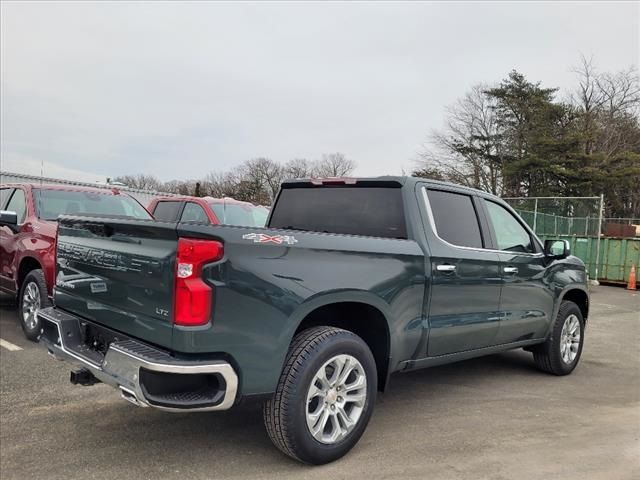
{"x": 510, "y": 270}
{"x": 446, "y": 268}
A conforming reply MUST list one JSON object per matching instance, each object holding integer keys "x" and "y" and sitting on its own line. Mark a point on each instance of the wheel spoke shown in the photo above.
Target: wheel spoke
{"x": 347, "y": 368}
{"x": 357, "y": 398}
{"x": 319, "y": 426}
{"x": 573, "y": 326}
{"x": 337, "y": 364}
{"x": 314, "y": 391}
{"x": 359, "y": 383}
{"x": 344, "y": 418}
{"x": 336, "y": 429}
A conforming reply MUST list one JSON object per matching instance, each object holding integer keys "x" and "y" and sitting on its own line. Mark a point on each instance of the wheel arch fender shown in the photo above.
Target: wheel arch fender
{"x": 576, "y": 293}
{"x": 383, "y": 350}
{"x": 27, "y": 264}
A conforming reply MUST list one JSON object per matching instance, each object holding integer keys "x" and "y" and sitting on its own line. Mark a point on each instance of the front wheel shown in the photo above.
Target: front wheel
{"x": 561, "y": 352}
{"x": 31, "y": 298}
{"x": 325, "y": 395}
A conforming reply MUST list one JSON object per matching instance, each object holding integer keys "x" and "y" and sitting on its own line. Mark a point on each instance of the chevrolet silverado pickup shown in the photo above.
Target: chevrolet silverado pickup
{"x": 351, "y": 281}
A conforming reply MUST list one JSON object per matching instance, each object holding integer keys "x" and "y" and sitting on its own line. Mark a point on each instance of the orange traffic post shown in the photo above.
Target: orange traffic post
{"x": 631, "y": 284}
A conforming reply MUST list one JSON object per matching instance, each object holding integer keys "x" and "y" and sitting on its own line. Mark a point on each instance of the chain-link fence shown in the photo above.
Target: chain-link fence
{"x": 561, "y": 216}
{"x": 572, "y": 216}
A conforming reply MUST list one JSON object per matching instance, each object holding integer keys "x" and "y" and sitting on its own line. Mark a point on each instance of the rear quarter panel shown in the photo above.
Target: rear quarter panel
{"x": 264, "y": 290}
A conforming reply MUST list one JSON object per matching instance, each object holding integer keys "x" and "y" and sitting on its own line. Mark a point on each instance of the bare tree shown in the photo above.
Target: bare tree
{"x": 221, "y": 184}
{"x": 265, "y": 176}
{"x": 469, "y": 149}
{"x": 141, "y": 181}
{"x": 257, "y": 180}
{"x": 608, "y": 104}
{"x": 334, "y": 165}
{"x": 588, "y": 99}
{"x": 299, "y": 168}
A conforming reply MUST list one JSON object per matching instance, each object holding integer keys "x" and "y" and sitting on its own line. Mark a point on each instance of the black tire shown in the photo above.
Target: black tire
{"x": 548, "y": 356}
{"x": 34, "y": 279}
{"x": 285, "y": 413}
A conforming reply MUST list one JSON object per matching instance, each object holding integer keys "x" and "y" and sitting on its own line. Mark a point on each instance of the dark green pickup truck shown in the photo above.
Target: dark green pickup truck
{"x": 354, "y": 279}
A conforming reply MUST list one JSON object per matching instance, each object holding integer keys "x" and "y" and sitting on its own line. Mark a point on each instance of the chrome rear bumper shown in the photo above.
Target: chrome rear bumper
{"x": 126, "y": 361}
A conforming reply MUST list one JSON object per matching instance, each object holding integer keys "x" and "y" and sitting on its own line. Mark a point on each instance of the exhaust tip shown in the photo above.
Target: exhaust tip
{"x": 129, "y": 396}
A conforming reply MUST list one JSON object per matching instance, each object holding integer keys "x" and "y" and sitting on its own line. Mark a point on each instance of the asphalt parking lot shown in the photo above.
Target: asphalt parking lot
{"x": 494, "y": 417}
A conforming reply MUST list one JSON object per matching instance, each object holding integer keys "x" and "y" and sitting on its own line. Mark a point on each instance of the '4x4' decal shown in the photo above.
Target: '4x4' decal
{"x": 276, "y": 239}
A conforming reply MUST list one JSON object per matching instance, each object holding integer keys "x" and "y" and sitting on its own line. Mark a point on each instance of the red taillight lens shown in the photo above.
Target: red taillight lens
{"x": 193, "y": 297}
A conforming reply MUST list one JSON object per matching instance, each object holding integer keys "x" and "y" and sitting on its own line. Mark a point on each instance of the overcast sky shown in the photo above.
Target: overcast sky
{"x": 179, "y": 89}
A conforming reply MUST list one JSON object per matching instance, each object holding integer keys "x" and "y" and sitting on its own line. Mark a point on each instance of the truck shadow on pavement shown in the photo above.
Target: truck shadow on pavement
{"x": 238, "y": 435}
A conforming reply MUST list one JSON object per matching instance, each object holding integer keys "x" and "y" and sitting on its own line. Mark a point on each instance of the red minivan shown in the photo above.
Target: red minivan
{"x": 28, "y": 214}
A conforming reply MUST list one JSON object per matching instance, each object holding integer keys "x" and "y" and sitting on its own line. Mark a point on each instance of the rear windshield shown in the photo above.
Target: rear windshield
{"x": 242, "y": 214}
{"x": 368, "y": 211}
{"x": 52, "y": 203}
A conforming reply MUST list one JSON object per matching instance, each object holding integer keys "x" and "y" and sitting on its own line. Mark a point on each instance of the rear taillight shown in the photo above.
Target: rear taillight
{"x": 193, "y": 297}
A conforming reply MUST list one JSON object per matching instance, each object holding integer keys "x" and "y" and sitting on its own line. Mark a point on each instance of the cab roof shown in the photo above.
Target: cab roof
{"x": 107, "y": 190}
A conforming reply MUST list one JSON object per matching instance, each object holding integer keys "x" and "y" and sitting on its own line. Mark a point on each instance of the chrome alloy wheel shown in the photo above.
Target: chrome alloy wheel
{"x": 570, "y": 339}
{"x": 31, "y": 302}
{"x": 336, "y": 399}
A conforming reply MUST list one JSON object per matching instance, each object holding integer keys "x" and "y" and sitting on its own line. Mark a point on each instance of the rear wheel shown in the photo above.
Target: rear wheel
{"x": 325, "y": 396}
{"x": 31, "y": 298}
{"x": 561, "y": 352}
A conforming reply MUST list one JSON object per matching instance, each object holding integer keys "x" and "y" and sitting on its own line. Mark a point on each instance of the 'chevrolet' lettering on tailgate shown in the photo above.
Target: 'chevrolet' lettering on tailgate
{"x": 105, "y": 259}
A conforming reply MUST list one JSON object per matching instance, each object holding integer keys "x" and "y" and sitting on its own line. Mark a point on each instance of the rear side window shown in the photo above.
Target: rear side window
{"x": 167, "y": 211}
{"x": 368, "y": 211}
{"x": 18, "y": 204}
{"x": 194, "y": 213}
{"x": 5, "y": 193}
{"x": 455, "y": 218}
{"x": 242, "y": 214}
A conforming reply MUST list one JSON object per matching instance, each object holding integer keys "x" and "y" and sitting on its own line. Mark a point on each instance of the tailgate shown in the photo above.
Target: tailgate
{"x": 118, "y": 273}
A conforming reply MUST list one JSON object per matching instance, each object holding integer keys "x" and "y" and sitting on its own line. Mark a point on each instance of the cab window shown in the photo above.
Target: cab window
{"x": 5, "y": 193}
{"x": 167, "y": 211}
{"x": 18, "y": 204}
{"x": 455, "y": 218}
{"x": 194, "y": 213}
{"x": 510, "y": 234}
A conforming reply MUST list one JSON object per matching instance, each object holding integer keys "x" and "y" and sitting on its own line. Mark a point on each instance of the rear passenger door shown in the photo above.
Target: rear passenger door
{"x": 526, "y": 296}
{"x": 465, "y": 277}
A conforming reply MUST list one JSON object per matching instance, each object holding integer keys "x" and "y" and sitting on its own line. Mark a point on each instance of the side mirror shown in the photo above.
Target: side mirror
{"x": 9, "y": 219}
{"x": 557, "y": 248}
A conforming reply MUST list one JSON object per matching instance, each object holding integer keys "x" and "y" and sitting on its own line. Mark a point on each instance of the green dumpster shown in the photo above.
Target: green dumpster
{"x": 617, "y": 255}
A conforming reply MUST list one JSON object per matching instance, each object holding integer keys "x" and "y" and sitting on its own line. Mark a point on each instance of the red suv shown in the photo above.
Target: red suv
{"x": 28, "y": 214}
{"x": 209, "y": 210}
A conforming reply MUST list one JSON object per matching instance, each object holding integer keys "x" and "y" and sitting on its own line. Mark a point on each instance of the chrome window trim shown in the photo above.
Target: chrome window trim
{"x": 432, "y": 223}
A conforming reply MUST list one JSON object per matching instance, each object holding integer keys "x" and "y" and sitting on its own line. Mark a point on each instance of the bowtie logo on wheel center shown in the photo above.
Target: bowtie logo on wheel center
{"x": 332, "y": 396}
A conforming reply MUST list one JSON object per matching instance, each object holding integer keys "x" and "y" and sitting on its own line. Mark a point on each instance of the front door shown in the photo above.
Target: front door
{"x": 465, "y": 278}
{"x": 8, "y": 241}
{"x": 526, "y": 296}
